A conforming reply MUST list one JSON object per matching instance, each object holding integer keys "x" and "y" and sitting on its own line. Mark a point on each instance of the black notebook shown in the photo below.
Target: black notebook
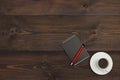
{"x": 71, "y": 47}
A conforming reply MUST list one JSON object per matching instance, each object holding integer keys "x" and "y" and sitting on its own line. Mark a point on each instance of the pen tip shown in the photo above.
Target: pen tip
{"x": 71, "y": 64}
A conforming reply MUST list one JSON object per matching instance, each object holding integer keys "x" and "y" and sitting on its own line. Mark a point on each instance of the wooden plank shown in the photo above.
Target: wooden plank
{"x": 60, "y": 7}
{"x": 52, "y": 65}
{"x": 46, "y": 33}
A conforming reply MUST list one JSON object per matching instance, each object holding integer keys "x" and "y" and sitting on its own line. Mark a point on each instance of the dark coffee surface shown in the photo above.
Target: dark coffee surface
{"x": 103, "y": 63}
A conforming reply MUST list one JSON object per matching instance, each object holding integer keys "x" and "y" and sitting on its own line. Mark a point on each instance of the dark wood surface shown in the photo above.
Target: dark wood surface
{"x": 52, "y": 65}
{"x": 32, "y": 31}
{"x": 60, "y": 7}
{"x": 46, "y": 33}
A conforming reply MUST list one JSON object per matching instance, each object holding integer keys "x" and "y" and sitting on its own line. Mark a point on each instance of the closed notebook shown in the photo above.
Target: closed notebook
{"x": 71, "y": 47}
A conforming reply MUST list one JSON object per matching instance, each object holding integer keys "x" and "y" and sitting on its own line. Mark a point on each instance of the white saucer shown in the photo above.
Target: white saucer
{"x": 95, "y": 60}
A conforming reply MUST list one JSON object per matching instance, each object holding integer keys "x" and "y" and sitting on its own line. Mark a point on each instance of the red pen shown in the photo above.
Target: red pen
{"x": 76, "y": 55}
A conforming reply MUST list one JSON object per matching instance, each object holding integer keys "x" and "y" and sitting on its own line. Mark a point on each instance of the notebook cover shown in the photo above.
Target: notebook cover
{"x": 71, "y": 46}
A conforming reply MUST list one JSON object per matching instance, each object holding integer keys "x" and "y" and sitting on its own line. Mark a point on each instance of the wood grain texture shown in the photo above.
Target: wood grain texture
{"x": 60, "y": 7}
{"x": 52, "y": 65}
{"x": 46, "y": 33}
{"x": 32, "y": 31}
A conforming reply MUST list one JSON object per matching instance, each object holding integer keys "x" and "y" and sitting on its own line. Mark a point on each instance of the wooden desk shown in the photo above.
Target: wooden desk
{"x": 31, "y": 33}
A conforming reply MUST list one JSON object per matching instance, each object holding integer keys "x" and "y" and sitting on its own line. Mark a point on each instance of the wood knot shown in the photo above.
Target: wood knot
{"x": 13, "y": 31}
{"x": 85, "y": 5}
{"x": 51, "y": 76}
{"x": 3, "y": 33}
{"x": 48, "y": 70}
